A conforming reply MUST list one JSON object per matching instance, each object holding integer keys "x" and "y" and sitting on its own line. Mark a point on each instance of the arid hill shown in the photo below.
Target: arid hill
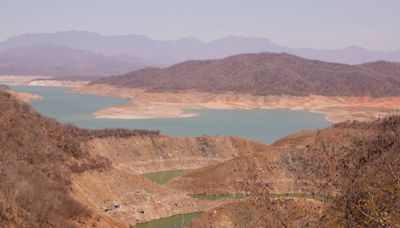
{"x": 38, "y": 157}
{"x": 267, "y": 74}
{"x": 353, "y": 166}
{"x": 56, "y": 175}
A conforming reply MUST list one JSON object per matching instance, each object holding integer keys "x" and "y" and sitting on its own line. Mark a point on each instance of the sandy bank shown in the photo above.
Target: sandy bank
{"x": 44, "y": 81}
{"x": 25, "y": 97}
{"x": 173, "y": 105}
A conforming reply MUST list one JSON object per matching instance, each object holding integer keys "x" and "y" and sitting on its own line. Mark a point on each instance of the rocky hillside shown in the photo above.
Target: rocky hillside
{"x": 267, "y": 74}
{"x": 345, "y": 175}
{"x": 352, "y": 167}
{"x": 91, "y": 178}
{"x": 38, "y": 157}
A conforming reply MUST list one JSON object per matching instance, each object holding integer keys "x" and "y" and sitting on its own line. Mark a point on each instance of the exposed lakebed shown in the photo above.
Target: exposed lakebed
{"x": 261, "y": 125}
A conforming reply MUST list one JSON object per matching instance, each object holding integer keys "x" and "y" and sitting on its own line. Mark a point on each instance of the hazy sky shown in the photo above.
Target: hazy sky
{"x": 374, "y": 24}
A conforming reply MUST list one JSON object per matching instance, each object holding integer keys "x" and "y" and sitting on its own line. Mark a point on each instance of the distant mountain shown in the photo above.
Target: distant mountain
{"x": 268, "y": 74}
{"x": 170, "y": 52}
{"x": 54, "y": 60}
{"x": 349, "y": 55}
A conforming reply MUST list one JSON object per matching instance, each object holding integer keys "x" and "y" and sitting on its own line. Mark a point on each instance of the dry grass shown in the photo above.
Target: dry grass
{"x": 37, "y": 157}
{"x": 267, "y": 74}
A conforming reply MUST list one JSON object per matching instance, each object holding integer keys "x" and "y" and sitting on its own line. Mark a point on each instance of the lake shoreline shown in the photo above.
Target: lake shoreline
{"x": 150, "y": 105}
{"x": 259, "y": 125}
{"x": 38, "y": 80}
{"x": 25, "y": 97}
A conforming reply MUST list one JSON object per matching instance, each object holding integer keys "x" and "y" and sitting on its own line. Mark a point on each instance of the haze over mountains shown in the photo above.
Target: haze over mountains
{"x": 55, "y": 60}
{"x": 267, "y": 74}
{"x": 135, "y": 51}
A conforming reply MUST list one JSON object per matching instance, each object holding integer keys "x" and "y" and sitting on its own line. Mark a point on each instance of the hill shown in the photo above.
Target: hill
{"x": 38, "y": 157}
{"x": 267, "y": 74}
{"x": 57, "y": 175}
{"x": 346, "y": 175}
{"x": 55, "y": 60}
{"x": 91, "y": 177}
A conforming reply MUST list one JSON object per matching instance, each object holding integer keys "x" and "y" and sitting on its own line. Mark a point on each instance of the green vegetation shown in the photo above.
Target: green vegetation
{"x": 176, "y": 221}
{"x": 163, "y": 177}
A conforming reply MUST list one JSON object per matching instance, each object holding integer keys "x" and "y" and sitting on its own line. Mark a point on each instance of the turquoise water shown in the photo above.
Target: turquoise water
{"x": 261, "y": 125}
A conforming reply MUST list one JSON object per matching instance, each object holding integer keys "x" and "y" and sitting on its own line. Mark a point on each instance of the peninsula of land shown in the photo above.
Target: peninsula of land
{"x": 254, "y": 81}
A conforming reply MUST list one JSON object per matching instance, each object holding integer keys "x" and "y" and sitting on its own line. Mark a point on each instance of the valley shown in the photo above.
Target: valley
{"x": 230, "y": 177}
{"x": 232, "y": 152}
{"x": 199, "y": 114}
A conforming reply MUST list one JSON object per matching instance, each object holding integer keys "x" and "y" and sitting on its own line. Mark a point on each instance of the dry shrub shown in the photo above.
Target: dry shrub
{"x": 37, "y": 157}
{"x": 355, "y": 164}
{"x": 363, "y": 172}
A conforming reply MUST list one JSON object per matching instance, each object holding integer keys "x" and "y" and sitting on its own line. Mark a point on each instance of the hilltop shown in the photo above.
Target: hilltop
{"x": 267, "y": 74}
{"x": 251, "y": 81}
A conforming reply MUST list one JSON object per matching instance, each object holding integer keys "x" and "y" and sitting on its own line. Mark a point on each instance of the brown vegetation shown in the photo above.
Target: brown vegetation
{"x": 50, "y": 175}
{"x": 363, "y": 173}
{"x": 37, "y": 158}
{"x": 355, "y": 166}
{"x": 267, "y": 74}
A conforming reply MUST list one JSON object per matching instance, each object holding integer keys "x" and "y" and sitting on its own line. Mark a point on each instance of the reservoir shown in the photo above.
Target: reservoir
{"x": 260, "y": 125}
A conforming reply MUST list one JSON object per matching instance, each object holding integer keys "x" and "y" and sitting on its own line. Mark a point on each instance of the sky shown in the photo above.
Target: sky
{"x": 322, "y": 24}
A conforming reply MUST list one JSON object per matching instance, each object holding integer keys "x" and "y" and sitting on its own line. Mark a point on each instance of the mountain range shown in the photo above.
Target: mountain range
{"x": 140, "y": 51}
{"x": 55, "y": 60}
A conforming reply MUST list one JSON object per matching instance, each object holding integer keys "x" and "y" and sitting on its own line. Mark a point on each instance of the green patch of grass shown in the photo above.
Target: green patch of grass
{"x": 176, "y": 221}
{"x": 163, "y": 177}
